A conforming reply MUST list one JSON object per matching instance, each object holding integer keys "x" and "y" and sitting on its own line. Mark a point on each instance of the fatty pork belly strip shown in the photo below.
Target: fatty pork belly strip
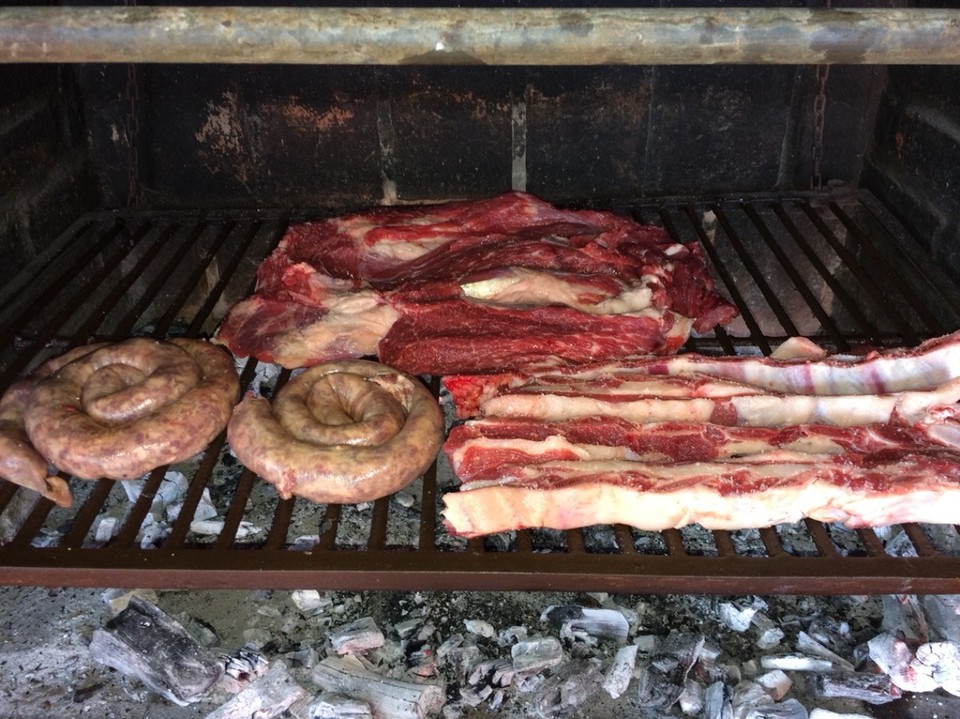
{"x": 478, "y": 449}
{"x": 835, "y": 390}
{"x": 866, "y": 491}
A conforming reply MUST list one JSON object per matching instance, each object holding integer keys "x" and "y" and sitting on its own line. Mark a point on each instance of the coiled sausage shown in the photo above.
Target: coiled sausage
{"x": 20, "y": 463}
{"x": 127, "y": 408}
{"x": 340, "y": 432}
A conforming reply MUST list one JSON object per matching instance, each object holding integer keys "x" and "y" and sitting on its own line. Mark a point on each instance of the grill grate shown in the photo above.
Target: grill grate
{"x": 836, "y": 267}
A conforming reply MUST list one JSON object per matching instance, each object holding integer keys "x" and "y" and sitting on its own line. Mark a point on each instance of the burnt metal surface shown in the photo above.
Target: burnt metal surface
{"x": 479, "y": 36}
{"x": 835, "y": 267}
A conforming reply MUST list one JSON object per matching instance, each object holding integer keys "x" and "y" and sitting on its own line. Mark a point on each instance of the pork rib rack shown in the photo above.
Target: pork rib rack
{"x": 729, "y": 443}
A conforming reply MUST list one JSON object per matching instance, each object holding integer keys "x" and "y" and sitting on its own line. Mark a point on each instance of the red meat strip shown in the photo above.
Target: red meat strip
{"x": 560, "y": 283}
{"x": 478, "y": 450}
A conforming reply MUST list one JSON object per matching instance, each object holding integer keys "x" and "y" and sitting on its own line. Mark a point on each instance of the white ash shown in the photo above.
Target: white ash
{"x": 426, "y": 641}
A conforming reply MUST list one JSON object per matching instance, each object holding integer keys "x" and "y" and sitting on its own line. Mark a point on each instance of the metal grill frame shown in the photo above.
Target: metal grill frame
{"x": 143, "y": 261}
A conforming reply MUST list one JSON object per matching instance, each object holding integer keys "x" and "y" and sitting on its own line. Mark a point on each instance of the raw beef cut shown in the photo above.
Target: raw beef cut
{"x": 729, "y": 443}
{"x": 475, "y": 287}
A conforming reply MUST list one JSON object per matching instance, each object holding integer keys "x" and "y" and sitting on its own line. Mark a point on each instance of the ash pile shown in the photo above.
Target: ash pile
{"x": 312, "y": 655}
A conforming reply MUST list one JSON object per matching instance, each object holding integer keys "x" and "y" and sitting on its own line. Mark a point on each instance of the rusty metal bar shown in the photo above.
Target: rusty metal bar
{"x": 479, "y": 36}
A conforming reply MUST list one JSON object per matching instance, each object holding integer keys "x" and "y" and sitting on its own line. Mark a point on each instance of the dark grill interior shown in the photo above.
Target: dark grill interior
{"x": 833, "y": 265}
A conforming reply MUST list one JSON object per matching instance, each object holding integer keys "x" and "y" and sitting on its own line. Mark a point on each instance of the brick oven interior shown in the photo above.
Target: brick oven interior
{"x": 139, "y": 198}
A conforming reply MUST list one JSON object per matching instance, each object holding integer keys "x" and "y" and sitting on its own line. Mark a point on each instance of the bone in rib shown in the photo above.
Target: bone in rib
{"x": 725, "y": 442}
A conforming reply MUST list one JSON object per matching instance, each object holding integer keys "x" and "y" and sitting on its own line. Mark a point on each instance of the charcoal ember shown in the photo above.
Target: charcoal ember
{"x": 475, "y": 697}
{"x": 796, "y": 663}
{"x": 656, "y": 689}
{"x": 390, "y": 698}
{"x": 268, "y": 696}
{"x": 148, "y": 644}
{"x": 691, "y": 698}
{"x": 305, "y": 656}
{"x": 769, "y": 634}
{"x": 809, "y": 645}
{"x": 309, "y": 601}
{"x": 480, "y": 627}
{"x": 936, "y": 665}
{"x": 608, "y": 624}
{"x": 567, "y": 690}
{"x": 464, "y": 659}
{"x": 831, "y": 633}
{"x": 819, "y": 713}
{"x": 536, "y": 654}
{"x": 242, "y": 667}
{"x": 776, "y": 683}
{"x": 903, "y": 616}
{"x": 869, "y": 688}
{"x": 941, "y": 662}
{"x": 663, "y": 676}
{"x": 407, "y": 627}
{"x": 790, "y": 709}
{"x": 482, "y": 671}
{"x": 511, "y": 635}
{"x": 716, "y": 705}
{"x": 739, "y": 615}
{"x": 332, "y": 706}
{"x": 618, "y": 675}
{"x": 357, "y": 636}
{"x": 943, "y": 616}
{"x": 746, "y": 696}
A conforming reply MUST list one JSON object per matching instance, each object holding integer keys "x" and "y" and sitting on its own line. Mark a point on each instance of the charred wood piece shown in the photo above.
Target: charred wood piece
{"x": 869, "y": 688}
{"x": 389, "y": 698}
{"x": 146, "y": 643}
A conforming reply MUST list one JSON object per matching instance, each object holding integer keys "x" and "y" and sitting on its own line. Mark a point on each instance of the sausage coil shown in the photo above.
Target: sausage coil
{"x": 124, "y": 409}
{"x": 20, "y": 463}
{"x": 340, "y": 432}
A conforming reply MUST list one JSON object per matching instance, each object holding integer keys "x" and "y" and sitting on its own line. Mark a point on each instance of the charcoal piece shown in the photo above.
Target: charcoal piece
{"x": 809, "y": 645}
{"x": 869, "y": 688}
{"x": 146, "y": 643}
{"x": 715, "y": 703}
{"x": 331, "y": 706}
{"x": 536, "y": 654}
{"x": 268, "y": 696}
{"x": 620, "y": 673}
{"x": 600, "y": 623}
{"x": 656, "y": 690}
{"x": 664, "y": 675}
{"x": 357, "y": 636}
{"x": 790, "y": 709}
{"x": 568, "y": 690}
{"x": 389, "y": 698}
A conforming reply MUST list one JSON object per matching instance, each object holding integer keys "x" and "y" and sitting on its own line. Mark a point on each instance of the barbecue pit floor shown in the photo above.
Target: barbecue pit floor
{"x": 47, "y": 671}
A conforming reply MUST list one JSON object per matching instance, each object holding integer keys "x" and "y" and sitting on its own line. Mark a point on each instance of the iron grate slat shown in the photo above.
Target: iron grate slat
{"x": 393, "y": 544}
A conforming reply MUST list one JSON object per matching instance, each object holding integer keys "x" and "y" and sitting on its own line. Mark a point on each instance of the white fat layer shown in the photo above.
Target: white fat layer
{"x": 836, "y": 375}
{"x": 654, "y": 386}
{"x": 352, "y": 328}
{"x": 523, "y": 286}
{"x": 554, "y": 408}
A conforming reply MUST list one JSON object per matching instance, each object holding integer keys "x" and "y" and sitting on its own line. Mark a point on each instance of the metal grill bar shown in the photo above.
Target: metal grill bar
{"x": 819, "y": 243}
{"x": 491, "y": 36}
